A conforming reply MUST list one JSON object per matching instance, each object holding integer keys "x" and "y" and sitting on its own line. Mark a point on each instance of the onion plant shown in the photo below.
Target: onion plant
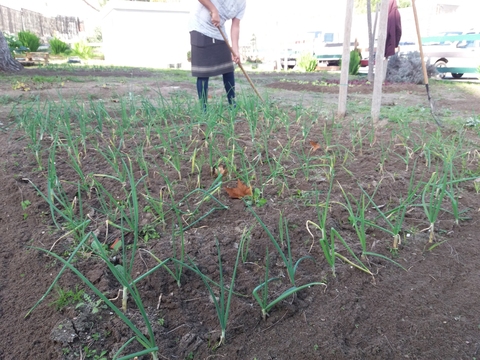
{"x": 32, "y": 125}
{"x": 245, "y": 242}
{"x": 222, "y": 304}
{"x": 263, "y": 300}
{"x": 323, "y": 208}
{"x": 99, "y": 113}
{"x": 328, "y": 248}
{"x": 357, "y": 218}
{"x": 432, "y": 197}
{"x": 129, "y": 212}
{"x": 450, "y": 192}
{"x": 146, "y": 340}
{"x": 286, "y": 258}
{"x": 113, "y": 156}
{"x": 173, "y": 158}
{"x": 330, "y": 252}
{"x": 69, "y": 211}
{"x": 178, "y": 250}
{"x": 189, "y": 206}
{"x": 359, "y": 222}
{"x": 394, "y": 218}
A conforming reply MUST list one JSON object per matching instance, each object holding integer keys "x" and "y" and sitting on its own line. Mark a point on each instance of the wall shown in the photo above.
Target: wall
{"x": 144, "y": 34}
{"x": 64, "y": 27}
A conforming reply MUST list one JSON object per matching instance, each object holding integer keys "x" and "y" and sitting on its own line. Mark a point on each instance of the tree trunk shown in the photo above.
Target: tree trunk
{"x": 7, "y": 61}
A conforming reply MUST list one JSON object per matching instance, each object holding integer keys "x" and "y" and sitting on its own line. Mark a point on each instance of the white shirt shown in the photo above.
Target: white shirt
{"x": 200, "y": 18}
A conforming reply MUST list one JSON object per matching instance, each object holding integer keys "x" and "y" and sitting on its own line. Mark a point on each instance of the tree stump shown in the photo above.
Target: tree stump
{"x": 7, "y": 61}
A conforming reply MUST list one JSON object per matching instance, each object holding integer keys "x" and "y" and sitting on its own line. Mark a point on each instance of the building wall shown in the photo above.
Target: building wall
{"x": 144, "y": 34}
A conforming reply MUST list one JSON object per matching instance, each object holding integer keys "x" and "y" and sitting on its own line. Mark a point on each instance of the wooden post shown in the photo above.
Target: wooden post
{"x": 379, "y": 61}
{"x": 371, "y": 40}
{"x": 342, "y": 96}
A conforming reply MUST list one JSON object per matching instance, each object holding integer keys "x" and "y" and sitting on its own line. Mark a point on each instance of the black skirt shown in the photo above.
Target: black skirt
{"x": 210, "y": 57}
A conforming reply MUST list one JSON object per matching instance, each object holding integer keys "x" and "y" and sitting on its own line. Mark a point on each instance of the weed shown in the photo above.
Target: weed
{"x": 67, "y": 297}
{"x": 25, "y": 204}
{"x": 92, "y": 305}
{"x": 476, "y": 184}
{"x": 256, "y": 199}
{"x": 148, "y": 232}
{"x": 245, "y": 242}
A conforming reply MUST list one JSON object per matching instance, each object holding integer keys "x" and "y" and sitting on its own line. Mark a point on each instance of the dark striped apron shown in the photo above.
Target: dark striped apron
{"x": 210, "y": 57}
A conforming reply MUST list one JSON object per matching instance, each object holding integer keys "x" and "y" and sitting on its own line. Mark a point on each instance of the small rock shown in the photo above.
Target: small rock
{"x": 63, "y": 332}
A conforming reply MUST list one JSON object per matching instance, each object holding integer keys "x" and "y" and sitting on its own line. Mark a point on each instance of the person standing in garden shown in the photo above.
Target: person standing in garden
{"x": 211, "y": 55}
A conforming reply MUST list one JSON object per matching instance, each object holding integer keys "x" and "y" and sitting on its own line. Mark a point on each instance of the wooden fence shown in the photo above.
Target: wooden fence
{"x": 13, "y": 21}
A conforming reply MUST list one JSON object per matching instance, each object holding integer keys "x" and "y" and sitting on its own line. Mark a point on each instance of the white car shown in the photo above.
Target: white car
{"x": 462, "y": 55}
{"x": 292, "y": 57}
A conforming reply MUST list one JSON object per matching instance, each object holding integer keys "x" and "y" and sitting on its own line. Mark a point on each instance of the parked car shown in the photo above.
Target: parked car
{"x": 292, "y": 58}
{"x": 442, "y": 40}
{"x": 331, "y": 53}
{"x": 462, "y": 53}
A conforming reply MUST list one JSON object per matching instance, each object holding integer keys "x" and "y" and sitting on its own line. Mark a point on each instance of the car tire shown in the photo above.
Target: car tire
{"x": 438, "y": 64}
{"x": 457, "y": 75}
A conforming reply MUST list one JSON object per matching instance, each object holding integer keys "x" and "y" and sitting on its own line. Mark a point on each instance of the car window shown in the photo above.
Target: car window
{"x": 468, "y": 43}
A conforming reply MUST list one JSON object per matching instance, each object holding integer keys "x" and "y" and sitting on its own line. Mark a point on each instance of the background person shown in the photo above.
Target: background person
{"x": 211, "y": 56}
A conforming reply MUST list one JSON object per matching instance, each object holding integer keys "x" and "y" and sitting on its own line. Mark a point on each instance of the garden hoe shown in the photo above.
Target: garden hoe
{"x": 424, "y": 66}
{"x": 240, "y": 65}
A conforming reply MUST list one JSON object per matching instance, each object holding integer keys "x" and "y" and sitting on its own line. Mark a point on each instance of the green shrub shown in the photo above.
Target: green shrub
{"x": 82, "y": 50}
{"x": 408, "y": 68}
{"x": 307, "y": 62}
{"x": 14, "y": 44}
{"x": 355, "y": 59}
{"x": 57, "y": 47}
{"x": 29, "y": 40}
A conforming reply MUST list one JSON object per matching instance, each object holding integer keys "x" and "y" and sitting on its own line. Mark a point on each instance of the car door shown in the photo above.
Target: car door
{"x": 470, "y": 52}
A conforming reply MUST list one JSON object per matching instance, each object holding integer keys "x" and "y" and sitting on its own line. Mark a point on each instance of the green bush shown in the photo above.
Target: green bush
{"x": 29, "y": 40}
{"x": 355, "y": 59}
{"x": 82, "y": 50}
{"x": 408, "y": 68}
{"x": 307, "y": 62}
{"x": 57, "y": 47}
{"x": 14, "y": 44}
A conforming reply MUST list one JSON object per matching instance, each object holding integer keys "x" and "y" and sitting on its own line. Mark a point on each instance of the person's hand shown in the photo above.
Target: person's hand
{"x": 215, "y": 18}
{"x": 235, "y": 56}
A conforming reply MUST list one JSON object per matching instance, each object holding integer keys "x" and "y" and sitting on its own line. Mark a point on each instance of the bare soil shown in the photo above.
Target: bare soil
{"x": 429, "y": 311}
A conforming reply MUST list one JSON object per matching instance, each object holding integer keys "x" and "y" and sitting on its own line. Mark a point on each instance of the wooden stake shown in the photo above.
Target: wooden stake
{"x": 343, "y": 91}
{"x": 379, "y": 61}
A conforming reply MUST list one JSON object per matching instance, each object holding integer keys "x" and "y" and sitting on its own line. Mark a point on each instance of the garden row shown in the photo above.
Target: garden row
{"x": 157, "y": 168}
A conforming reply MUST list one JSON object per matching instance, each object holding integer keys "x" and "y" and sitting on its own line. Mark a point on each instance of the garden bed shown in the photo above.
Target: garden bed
{"x": 131, "y": 161}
